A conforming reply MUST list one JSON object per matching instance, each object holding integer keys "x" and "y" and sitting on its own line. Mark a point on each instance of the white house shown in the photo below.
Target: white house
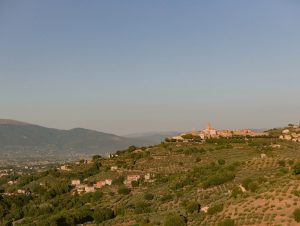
{"x": 75, "y": 182}
{"x": 113, "y": 168}
{"x": 88, "y": 189}
{"x": 108, "y": 181}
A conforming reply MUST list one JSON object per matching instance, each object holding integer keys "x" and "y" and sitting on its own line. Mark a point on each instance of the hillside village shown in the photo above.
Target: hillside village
{"x": 230, "y": 177}
{"x": 210, "y": 132}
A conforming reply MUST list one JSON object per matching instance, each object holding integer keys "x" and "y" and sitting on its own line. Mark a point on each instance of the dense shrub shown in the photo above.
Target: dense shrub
{"x": 68, "y": 218}
{"x": 120, "y": 211}
{"x": 236, "y": 191}
{"x": 134, "y": 184}
{"x": 226, "y": 140}
{"x": 218, "y": 179}
{"x": 221, "y": 162}
{"x": 37, "y": 189}
{"x": 175, "y": 220}
{"x": 118, "y": 181}
{"x": 142, "y": 207}
{"x": 281, "y": 163}
{"x": 148, "y": 196}
{"x": 226, "y": 222}
{"x": 212, "y": 174}
{"x": 297, "y": 168}
{"x": 246, "y": 182}
{"x": 291, "y": 162}
{"x": 253, "y": 186}
{"x": 296, "y": 193}
{"x": 215, "y": 209}
{"x": 297, "y": 215}
{"x": 81, "y": 215}
{"x": 166, "y": 198}
{"x": 249, "y": 184}
{"x": 96, "y": 157}
{"x": 124, "y": 191}
{"x": 282, "y": 171}
{"x": 103, "y": 214}
{"x": 59, "y": 189}
{"x": 192, "y": 207}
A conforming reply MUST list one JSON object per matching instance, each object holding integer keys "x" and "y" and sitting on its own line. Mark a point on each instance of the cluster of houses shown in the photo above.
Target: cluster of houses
{"x": 131, "y": 178}
{"x": 64, "y": 168}
{"x": 81, "y": 188}
{"x": 210, "y": 132}
{"x": 4, "y": 173}
{"x": 291, "y": 134}
{"x": 84, "y": 188}
{"x": 19, "y": 191}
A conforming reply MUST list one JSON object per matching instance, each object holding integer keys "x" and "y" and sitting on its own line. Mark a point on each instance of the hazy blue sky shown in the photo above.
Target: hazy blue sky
{"x": 132, "y": 66}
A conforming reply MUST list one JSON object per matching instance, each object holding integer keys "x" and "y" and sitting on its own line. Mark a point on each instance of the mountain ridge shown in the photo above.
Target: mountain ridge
{"x": 12, "y": 122}
{"x": 25, "y": 139}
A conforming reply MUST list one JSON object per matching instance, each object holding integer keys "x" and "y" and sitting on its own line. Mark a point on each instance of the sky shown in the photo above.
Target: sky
{"x": 136, "y": 66}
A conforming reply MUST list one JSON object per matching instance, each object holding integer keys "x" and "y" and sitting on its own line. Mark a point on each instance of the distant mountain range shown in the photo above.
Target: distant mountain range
{"x": 24, "y": 140}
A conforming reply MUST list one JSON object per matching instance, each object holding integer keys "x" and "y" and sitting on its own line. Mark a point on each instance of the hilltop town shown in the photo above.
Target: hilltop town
{"x": 210, "y": 132}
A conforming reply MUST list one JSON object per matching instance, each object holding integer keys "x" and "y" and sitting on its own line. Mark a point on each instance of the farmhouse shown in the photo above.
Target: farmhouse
{"x": 64, "y": 168}
{"x": 100, "y": 184}
{"x": 108, "y": 181}
{"x": 131, "y": 178}
{"x": 80, "y": 188}
{"x": 204, "y": 209}
{"x": 21, "y": 191}
{"x": 147, "y": 176}
{"x": 75, "y": 182}
{"x": 113, "y": 168}
{"x": 11, "y": 182}
{"x": 263, "y": 156}
{"x": 89, "y": 189}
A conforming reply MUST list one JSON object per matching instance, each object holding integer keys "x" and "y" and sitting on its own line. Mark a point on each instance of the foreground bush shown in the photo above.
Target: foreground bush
{"x": 175, "y": 220}
{"x": 148, "y": 196}
{"x": 103, "y": 214}
{"x": 226, "y": 222}
{"x": 297, "y": 215}
{"x": 215, "y": 209}
{"x": 142, "y": 207}
{"x": 218, "y": 179}
{"x": 192, "y": 207}
{"x": 124, "y": 191}
{"x": 297, "y": 168}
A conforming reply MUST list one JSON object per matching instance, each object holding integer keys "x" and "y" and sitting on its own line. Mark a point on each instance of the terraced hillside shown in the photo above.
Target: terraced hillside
{"x": 234, "y": 181}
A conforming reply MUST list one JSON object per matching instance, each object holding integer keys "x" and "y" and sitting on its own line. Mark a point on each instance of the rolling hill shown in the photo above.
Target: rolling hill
{"x": 235, "y": 181}
{"x": 19, "y": 139}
